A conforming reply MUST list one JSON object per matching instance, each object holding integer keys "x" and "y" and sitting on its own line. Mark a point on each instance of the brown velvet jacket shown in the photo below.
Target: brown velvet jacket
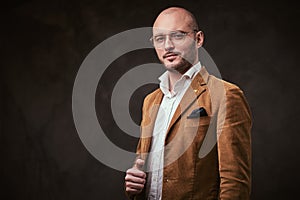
{"x": 206, "y": 157}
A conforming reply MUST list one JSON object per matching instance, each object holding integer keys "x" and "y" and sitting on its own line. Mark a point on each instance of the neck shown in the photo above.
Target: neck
{"x": 174, "y": 76}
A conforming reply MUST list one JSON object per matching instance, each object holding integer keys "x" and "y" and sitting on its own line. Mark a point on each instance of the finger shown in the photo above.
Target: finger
{"x": 134, "y": 179}
{"x": 136, "y": 173}
{"x": 133, "y": 191}
{"x": 135, "y": 186}
{"x": 139, "y": 163}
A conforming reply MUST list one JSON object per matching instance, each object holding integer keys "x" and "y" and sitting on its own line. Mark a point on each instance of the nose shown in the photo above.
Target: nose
{"x": 168, "y": 44}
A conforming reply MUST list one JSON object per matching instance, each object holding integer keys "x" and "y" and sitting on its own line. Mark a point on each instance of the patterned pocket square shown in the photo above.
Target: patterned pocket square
{"x": 199, "y": 112}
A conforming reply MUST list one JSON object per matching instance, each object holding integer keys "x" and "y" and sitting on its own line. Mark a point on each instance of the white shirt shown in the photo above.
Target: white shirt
{"x": 165, "y": 113}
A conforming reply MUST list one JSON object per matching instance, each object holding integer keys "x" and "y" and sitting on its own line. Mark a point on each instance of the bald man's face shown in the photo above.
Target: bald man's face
{"x": 175, "y": 41}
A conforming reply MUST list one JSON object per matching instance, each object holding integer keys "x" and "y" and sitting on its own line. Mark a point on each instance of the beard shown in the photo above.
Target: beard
{"x": 182, "y": 66}
{"x": 176, "y": 61}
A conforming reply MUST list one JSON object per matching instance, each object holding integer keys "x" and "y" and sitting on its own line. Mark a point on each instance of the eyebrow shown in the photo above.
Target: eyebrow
{"x": 160, "y": 34}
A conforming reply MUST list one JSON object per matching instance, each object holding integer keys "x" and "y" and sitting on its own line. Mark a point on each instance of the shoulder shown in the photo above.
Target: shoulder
{"x": 217, "y": 85}
{"x": 228, "y": 87}
{"x": 232, "y": 97}
{"x": 153, "y": 95}
{"x": 150, "y": 100}
{"x": 222, "y": 91}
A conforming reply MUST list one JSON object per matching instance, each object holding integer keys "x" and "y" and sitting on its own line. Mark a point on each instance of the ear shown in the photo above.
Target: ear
{"x": 199, "y": 39}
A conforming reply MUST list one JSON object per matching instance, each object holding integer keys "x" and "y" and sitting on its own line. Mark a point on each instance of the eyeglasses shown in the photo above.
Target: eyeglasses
{"x": 177, "y": 38}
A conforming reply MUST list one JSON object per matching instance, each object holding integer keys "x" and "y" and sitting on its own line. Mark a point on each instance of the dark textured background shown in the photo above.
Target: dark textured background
{"x": 43, "y": 43}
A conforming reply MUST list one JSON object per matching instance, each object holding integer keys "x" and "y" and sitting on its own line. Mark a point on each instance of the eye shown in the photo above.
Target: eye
{"x": 178, "y": 36}
{"x": 159, "y": 39}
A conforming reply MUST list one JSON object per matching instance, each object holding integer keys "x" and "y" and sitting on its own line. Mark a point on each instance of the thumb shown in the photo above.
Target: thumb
{"x": 139, "y": 164}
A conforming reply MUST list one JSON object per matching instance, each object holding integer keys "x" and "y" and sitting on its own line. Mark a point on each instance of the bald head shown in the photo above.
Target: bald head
{"x": 176, "y": 39}
{"x": 178, "y": 14}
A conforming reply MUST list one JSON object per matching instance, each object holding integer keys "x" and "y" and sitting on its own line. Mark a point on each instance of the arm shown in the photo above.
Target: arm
{"x": 135, "y": 178}
{"x": 234, "y": 147}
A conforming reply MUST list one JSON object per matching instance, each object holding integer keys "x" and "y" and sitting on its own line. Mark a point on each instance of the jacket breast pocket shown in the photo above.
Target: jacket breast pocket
{"x": 200, "y": 121}
{"x": 196, "y": 129}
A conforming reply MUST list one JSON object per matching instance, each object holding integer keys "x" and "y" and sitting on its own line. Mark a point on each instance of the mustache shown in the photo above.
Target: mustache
{"x": 171, "y": 53}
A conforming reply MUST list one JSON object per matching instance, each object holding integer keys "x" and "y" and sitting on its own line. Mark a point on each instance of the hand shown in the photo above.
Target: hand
{"x": 135, "y": 178}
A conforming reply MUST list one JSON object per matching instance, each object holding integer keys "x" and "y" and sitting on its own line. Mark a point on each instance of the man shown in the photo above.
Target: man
{"x": 195, "y": 131}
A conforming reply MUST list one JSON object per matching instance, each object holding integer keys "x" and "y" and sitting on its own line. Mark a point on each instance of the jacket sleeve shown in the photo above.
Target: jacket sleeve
{"x": 139, "y": 150}
{"x": 234, "y": 147}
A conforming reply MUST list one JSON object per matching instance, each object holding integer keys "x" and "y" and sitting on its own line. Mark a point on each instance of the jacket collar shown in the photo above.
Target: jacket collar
{"x": 197, "y": 87}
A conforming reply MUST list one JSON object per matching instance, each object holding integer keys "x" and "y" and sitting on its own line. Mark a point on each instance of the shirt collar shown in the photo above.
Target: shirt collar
{"x": 192, "y": 71}
{"x": 189, "y": 74}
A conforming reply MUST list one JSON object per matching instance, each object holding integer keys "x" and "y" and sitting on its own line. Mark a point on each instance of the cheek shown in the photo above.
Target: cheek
{"x": 189, "y": 51}
{"x": 184, "y": 50}
{"x": 159, "y": 53}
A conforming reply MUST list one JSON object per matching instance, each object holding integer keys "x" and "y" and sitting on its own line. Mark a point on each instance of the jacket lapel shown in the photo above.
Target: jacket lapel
{"x": 148, "y": 124}
{"x": 197, "y": 87}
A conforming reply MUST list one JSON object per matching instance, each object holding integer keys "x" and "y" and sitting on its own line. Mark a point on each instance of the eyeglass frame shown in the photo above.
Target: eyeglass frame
{"x": 173, "y": 32}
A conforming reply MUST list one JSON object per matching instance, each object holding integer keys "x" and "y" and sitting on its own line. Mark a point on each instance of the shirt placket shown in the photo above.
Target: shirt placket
{"x": 157, "y": 175}
{"x": 170, "y": 103}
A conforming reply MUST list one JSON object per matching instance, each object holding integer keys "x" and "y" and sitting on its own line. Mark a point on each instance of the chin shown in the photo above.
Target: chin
{"x": 171, "y": 67}
{"x": 173, "y": 64}
{"x": 178, "y": 66}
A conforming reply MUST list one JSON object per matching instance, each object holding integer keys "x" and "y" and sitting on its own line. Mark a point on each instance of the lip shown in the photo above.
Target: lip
{"x": 170, "y": 56}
